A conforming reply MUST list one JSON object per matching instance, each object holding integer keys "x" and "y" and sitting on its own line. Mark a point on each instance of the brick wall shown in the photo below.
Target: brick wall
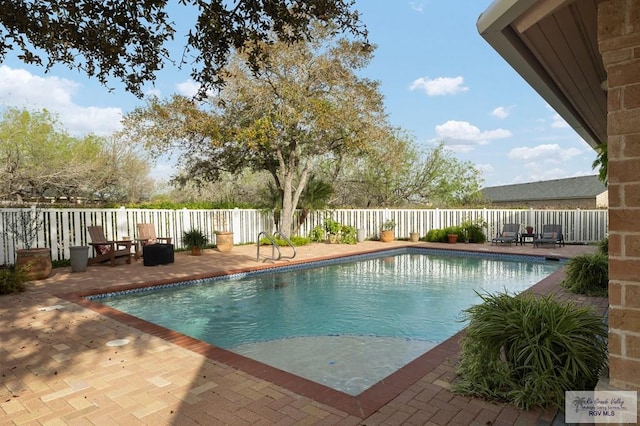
{"x": 619, "y": 42}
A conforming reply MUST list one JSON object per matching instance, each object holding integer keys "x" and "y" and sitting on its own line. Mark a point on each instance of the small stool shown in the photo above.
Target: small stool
{"x": 157, "y": 254}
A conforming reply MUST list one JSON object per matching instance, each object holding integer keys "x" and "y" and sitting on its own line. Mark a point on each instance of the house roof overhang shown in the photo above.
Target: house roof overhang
{"x": 553, "y": 45}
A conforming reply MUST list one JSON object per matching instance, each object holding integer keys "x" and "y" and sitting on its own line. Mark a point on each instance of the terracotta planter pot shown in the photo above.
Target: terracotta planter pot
{"x": 196, "y": 251}
{"x": 36, "y": 262}
{"x": 452, "y": 238}
{"x": 387, "y": 236}
{"x": 224, "y": 241}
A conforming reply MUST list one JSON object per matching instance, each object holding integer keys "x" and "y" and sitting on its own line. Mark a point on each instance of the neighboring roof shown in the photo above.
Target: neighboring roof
{"x": 553, "y": 45}
{"x": 558, "y": 189}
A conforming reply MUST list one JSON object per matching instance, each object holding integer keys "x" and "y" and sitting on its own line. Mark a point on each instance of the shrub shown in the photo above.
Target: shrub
{"x": 436, "y": 236}
{"x": 348, "y": 234}
{"x": 344, "y": 234}
{"x": 588, "y": 274}
{"x": 318, "y": 234}
{"x": 603, "y": 246}
{"x": 296, "y": 240}
{"x": 528, "y": 351}
{"x": 11, "y": 280}
{"x": 475, "y": 234}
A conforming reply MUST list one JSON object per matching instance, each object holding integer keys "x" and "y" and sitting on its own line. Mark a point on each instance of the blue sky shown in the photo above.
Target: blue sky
{"x": 440, "y": 79}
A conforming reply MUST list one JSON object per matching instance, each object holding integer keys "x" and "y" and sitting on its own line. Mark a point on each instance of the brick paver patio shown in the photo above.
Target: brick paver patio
{"x": 57, "y": 367}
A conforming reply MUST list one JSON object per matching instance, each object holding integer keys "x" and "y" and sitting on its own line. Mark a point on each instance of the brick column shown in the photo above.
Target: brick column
{"x": 619, "y": 43}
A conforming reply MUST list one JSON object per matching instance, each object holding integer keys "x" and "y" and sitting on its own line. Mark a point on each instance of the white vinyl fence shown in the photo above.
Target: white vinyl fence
{"x": 64, "y": 228}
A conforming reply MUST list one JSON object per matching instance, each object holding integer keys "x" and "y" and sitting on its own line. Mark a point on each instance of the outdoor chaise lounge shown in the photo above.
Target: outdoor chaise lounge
{"x": 551, "y": 234}
{"x": 509, "y": 234}
{"x": 147, "y": 236}
{"x": 105, "y": 250}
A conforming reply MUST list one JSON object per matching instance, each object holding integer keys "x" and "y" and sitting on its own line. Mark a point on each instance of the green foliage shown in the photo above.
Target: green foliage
{"x": 194, "y": 238}
{"x": 318, "y": 234}
{"x": 602, "y": 163}
{"x": 603, "y": 246}
{"x": 192, "y": 205}
{"x": 436, "y": 236}
{"x": 332, "y": 226}
{"x": 133, "y": 46}
{"x": 344, "y": 234}
{"x": 588, "y": 274}
{"x": 528, "y": 351}
{"x": 473, "y": 230}
{"x": 388, "y": 225}
{"x": 12, "y": 280}
{"x": 348, "y": 234}
{"x": 297, "y": 241}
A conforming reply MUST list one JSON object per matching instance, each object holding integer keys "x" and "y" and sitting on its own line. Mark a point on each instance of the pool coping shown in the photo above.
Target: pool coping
{"x": 362, "y": 405}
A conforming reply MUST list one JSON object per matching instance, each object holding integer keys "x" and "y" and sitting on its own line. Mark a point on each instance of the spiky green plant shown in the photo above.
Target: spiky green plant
{"x": 588, "y": 274}
{"x": 529, "y": 350}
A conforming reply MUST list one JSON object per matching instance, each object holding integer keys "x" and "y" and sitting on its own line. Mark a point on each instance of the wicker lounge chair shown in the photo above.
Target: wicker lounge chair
{"x": 551, "y": 234}
{"x": 509, "y": 235}
{"x": 105, "y": 250}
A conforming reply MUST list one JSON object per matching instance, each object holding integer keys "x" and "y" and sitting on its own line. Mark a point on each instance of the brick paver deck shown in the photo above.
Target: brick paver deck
{"x": 57, "y": 367}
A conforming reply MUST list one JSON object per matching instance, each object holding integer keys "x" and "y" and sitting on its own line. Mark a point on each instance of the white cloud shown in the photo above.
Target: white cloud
{"x": 439, "y": 86}
{"x": 187, "y": 88}
{"x": 543, "y": 153}
{"x": 418, "y": 7}
{"x": 502, "y": 112}
{"x": 462, "y": 136}
{"x": 21, "y": 89}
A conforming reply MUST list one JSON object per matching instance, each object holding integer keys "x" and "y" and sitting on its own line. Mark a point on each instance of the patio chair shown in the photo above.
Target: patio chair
{"x": 147, "y": 236}
{"x": 551, "y": 234}
{"x": 105, "y": 250}
{"x": 509, "y": 235}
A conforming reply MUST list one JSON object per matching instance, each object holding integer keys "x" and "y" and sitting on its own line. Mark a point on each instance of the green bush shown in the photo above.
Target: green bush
{"x": 603, "y": 246}
{"x": 345, "y": 234}
{"x": 588, "y": 274}
{"x": 528, "y": 350}
{"x": 436, "y": 236}
{"x": 297, "y": 241}
{"x": 11, "y": 280}
{"x": 475, "y": 234}
{"x": 318, "y": 234}
{"x": 348, "y": 234}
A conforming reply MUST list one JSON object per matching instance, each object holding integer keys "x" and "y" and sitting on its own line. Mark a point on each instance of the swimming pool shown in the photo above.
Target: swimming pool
{"x": 346, "y": 324}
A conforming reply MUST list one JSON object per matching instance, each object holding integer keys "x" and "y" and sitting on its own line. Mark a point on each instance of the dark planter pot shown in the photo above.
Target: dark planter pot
{"x": 35, "y": 262}
{"x": 79, "y": 258}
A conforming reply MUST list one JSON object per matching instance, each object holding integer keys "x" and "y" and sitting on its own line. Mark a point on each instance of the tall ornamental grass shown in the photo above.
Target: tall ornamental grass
{"x": 528, "y": 350}
{"x": 588, "y": 274}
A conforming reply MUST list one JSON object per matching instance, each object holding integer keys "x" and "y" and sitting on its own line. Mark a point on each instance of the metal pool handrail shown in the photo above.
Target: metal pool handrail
{"x": 274, "y": 245}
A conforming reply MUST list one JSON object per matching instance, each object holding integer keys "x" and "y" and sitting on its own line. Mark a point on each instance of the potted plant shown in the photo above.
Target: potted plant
{"x": 34, "y": 262}
{"x": 195, "y": 241}
{"x": 453, "y": 234}
{"x": 224, "y": 238}
{"x": 387, "y": 231}
{"x": 224, "y": 241}
{"x": 332, "y": 228}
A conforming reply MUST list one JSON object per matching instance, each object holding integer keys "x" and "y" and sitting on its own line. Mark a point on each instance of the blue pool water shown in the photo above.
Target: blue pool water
{"x": 403, "y": 303}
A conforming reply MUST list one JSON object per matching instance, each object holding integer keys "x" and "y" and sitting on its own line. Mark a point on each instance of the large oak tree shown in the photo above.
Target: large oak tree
{"x": 303, "y": 105}
{"x": 128, "y": 40}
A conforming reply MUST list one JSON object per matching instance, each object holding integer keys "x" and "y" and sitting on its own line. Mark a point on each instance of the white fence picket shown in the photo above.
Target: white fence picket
{"x": 64, "y": 228}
